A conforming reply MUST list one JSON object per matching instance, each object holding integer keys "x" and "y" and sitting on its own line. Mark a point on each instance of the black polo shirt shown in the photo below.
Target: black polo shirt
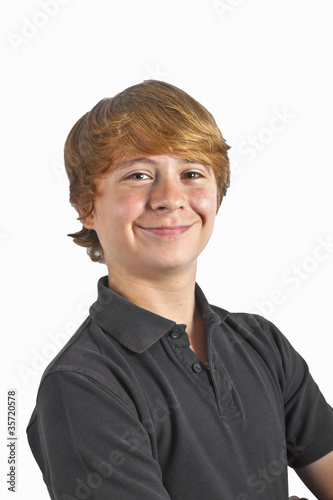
{"x": 126, "y": 411}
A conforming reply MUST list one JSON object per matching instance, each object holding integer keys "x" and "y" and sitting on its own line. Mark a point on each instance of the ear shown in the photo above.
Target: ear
{"x": 87, "y": 217}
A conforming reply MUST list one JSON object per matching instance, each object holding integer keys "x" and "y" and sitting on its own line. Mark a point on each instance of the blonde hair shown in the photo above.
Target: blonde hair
{"x": 151, "y": 118}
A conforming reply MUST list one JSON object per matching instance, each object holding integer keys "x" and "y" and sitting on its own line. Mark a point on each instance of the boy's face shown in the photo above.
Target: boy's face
{"x": 154, "y": 214}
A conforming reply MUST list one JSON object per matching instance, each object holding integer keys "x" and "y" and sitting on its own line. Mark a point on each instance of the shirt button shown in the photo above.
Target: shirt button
{"x": 196, "y": 368}
{"x": 175, "y": 334}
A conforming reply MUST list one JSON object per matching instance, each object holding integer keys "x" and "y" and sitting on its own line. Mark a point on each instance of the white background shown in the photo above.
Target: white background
{"x": 246, "y": 61}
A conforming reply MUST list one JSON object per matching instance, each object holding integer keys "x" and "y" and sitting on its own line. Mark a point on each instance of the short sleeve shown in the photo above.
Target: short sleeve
{"x": 82, "y": 438}
{"x": 308, "y": 417}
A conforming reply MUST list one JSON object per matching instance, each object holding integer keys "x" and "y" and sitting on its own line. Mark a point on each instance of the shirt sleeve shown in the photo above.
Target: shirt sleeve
{"x": 308, "y": 417}
{"x": 90, "y": 444}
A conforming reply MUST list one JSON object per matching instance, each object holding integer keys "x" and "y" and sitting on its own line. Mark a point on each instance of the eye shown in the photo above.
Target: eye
{"x": 140, "y": 176}
{"x": 192, "y": 175}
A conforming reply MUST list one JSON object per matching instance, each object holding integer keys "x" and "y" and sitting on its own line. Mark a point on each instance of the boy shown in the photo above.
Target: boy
{"x": 159, "y": 395}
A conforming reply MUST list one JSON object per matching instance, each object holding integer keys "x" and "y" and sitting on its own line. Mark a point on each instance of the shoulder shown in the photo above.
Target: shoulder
{"x": 90, "y": 361}
{"x": 259, "y": 338}
{"x": 249, "y": 326}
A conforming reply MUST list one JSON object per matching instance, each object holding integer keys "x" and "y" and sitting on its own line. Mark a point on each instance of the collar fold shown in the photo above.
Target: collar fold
{"x": 134, "y": 327}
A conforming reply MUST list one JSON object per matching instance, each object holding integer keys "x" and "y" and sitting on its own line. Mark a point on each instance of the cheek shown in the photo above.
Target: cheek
{"x": 205, "y": 204}
{"x": 128, "y": 205}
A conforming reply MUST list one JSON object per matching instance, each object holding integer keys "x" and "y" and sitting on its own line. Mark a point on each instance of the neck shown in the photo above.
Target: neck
{"x": 170, "y": 296}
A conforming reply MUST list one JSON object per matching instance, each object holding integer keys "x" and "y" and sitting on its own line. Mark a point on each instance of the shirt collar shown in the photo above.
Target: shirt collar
{"x": 134, "y": 327}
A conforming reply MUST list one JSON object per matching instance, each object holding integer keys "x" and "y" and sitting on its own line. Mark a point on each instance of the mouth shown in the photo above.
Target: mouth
{"x": 167, "y": 230}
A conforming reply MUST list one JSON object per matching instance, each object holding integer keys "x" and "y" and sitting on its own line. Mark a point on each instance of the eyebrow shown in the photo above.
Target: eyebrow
{"x": 149, "y": 160}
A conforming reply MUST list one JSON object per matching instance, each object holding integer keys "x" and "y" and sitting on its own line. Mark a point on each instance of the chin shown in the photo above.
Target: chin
{"x": 169, "y": 265}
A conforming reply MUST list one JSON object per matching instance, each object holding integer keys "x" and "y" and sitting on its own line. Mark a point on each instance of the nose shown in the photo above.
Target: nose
{"x": 167, "y": 195}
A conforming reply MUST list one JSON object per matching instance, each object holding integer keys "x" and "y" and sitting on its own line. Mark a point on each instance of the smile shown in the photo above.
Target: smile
{"x": 167, "y": 230}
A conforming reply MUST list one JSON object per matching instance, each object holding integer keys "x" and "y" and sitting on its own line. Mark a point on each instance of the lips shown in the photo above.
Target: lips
{"x": 167, "y": 230}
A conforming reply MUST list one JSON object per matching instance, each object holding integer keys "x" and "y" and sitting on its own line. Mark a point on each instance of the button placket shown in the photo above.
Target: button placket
{"x": 179, "y": 343}
{"x": 223, "y": 388}
{"x": 175, "y": 334}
